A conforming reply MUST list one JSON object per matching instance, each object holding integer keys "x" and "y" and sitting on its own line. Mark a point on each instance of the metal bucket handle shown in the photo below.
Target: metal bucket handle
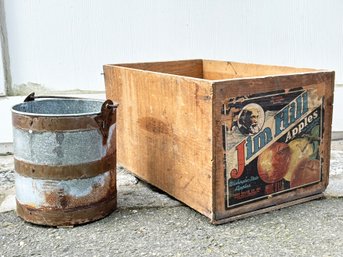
{"x": 32, "y": 97}
{"x": 105, "y": 119}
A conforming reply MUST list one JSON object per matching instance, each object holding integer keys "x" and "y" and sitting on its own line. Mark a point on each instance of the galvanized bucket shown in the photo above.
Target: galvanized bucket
{"x": 65, "y": 159}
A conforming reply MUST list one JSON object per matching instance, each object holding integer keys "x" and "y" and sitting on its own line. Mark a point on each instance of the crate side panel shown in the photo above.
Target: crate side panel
{"x": 318, "y": 85}
{"x": 189, "y": 68}
{"x": 217, "y": 70}
{"x": 165, "y": 132}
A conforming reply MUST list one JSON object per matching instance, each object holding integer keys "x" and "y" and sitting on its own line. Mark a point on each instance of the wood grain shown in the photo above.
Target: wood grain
{"x": 189, "y": 68}
{"x": 268, "y": 209}
{"x": 170, "y": 126}
{"x": 218, "y": 70}
{"x": 165, "y": 132}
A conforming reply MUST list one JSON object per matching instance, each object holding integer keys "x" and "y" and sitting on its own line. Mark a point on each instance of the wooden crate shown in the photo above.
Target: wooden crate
{"x": 228, "y": 139}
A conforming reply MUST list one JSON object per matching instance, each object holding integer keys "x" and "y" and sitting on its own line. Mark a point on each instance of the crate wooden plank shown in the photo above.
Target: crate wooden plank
{"x": 217, "y": 70}
{"x": 189, "y": 68}
{"x": 268, "y": 209}
{"x": 165, "y": 132}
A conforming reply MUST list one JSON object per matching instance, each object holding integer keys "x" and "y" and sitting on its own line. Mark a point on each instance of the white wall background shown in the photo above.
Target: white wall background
{"x": 2, "y": 75}
{"x": 63, "y": 44}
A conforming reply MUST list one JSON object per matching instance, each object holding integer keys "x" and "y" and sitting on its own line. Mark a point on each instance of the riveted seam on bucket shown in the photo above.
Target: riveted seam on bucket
{"x": 56, "y": 124}
{"x": 65, "y": 172}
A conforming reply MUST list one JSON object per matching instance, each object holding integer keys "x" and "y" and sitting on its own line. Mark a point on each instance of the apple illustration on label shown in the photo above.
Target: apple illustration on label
{"x": 301, "y": 149}
{"x": 272, "y": 164}
{"x": 307, "y": 171}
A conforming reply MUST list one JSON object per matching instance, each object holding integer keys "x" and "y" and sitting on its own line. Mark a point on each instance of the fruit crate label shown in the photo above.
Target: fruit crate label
{"x": 271, "y": 143}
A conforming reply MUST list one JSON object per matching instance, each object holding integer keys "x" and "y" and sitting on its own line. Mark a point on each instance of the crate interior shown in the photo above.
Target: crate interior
{"x": 215, "y": 70}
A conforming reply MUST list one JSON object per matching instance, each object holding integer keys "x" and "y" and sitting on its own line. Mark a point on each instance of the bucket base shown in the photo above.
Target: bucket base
{"x": 66, "y": 217}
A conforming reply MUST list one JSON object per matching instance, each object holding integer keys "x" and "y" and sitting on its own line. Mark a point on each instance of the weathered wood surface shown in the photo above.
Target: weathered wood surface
{"x": 283, "y": 204}
{"x": 170, "y": 126}
{"x": 218, "y": 70}
{"x": 189, "y": 68}
{"x": 165, "y": 132}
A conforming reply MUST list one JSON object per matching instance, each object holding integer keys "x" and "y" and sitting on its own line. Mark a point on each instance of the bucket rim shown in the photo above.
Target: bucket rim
{"x": 59, "y": 114}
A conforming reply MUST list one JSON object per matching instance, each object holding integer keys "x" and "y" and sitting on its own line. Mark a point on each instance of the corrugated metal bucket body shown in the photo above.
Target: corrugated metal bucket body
{"x": 65, "y": 160}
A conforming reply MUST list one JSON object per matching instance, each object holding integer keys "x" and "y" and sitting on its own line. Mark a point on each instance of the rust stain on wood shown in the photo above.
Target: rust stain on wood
{"x": 154, "y": 125}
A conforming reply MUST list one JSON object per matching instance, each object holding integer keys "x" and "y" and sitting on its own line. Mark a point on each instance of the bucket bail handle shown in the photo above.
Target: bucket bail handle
{"x": 106, "y": 118}
{"x": 30, "y": 97}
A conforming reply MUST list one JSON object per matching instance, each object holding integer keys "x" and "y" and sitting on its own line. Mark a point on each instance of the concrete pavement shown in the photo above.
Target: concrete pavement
{"x": 150, "y": 223}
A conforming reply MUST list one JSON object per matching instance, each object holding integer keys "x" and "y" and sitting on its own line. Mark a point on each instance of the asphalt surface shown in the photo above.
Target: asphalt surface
{"x": 150, "y": 223}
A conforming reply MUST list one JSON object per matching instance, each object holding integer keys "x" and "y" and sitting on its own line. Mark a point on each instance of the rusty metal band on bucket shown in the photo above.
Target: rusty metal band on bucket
{"x": 65, "y": 172}
{"x": 60, "y": 124}
{"x": 67, "y": 217}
